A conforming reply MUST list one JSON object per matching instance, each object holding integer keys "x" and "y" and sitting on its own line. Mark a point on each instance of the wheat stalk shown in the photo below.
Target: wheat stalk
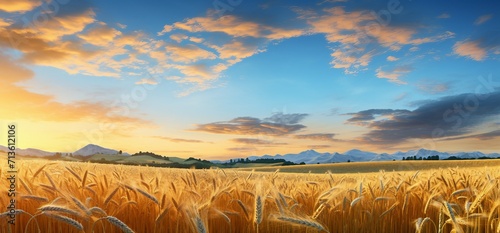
{"x": 36, "y": 198}
{"x": 149, "y": 196}
{"x": 244, "y": 208}
{"x": 67, "y": 220}
{"x": 303, "y": 222}
{"x": 479, "y": 199}
{"x": 117, "y": 222}
{"x": 61, "y": 209}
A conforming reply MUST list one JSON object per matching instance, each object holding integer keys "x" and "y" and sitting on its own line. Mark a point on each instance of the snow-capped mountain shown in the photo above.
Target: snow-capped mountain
{"x": 28, "y": 151}
{"x": 92, "y": 149}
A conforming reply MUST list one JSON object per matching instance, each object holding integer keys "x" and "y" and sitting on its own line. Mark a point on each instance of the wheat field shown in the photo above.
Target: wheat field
{"x": 84, "y": 197}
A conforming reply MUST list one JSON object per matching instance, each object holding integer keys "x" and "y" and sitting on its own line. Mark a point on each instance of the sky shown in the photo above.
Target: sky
{"x": 233, "y": 78}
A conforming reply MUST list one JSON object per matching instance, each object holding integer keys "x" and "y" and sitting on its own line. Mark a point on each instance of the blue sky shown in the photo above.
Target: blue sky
{"x": 235, "y": 78}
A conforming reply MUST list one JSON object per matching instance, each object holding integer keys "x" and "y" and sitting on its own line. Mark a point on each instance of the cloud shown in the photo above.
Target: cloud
{"x": 277, "y": 125}
{"x": 241, "y": 149}
{"x": 232, "y": 26}
{"x": 77, "y": 44}
{"x": 179, "y": 140}
{"x": 400, "y": 97}
{"x": 59, "y": 26}
{"x": 334, "y": 112}
{"x": 470, "y": 49}
{"x": 188, "y": 53}
{"x": 478, "y": 47}
{"x": 19, "y": 5}
{"x": 316, "y": 147}
{"x": 392, "y": 58}
{"x": 255, "y": 141}
{"x": 448, "y": 116}
{"x": 369, "y": 115}
{"x": 166, "y": 29}
{"x": 100, "y": 35}
{"x": 433, "y": 87}
{"x": 196, "y": 39}
{"x": 482, "y": 136}
{"x": 237, "y": 50}
{"x": 444, "y": 16}
{"x": 317, "y": 136}
{"x": 178, "y": 37}
{"x": 358, "y": 35}
{"x": 394, "y": 74}
{"x": 147, "y": 81}
{"x": 483, "y": 19}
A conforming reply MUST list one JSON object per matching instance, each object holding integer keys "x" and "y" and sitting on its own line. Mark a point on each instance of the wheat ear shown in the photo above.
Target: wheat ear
{"x": 119, "y": 224}
{"x": 303, "y": 222}
{"x": 67, "y": 220}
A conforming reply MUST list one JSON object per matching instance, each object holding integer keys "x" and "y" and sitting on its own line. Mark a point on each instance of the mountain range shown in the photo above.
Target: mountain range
{"x": 308, "y": 156}
{"x": 312, "y": 156}
{"x": 87, "y": 150}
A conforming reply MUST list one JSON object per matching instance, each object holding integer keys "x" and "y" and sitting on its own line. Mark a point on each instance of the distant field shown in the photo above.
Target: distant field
{"x": 75, "y": 197}
{"x": 366, "y": 167}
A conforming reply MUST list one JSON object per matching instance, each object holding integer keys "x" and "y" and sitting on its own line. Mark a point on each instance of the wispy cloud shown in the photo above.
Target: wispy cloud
{"x": 317, "y": 137}
{"x": 394, "y": 74}
{"x": 148, "y": 81}
{"x": 444, "y": 16}
{"x": 180, "y": 140}
{"x": 433, "y": 87}
{"x": 256, "y": 141}
{"x": 232, "y": 26}
{"x": 483, "y": 19}
{"x": 482, "y": 136}
{"x": 316, "y": 147}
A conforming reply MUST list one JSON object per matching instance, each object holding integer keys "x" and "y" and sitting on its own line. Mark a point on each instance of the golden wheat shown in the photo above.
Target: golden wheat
{"x": 75, "y": 197}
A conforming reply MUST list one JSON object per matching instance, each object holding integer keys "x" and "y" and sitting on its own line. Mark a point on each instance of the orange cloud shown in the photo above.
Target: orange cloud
{"x": 100, "y": 35}
{"x": 188, "y": 53}
{"x": 232, "y": 26}
{"x": 146, "y": 81}
{"x": 19, "y": 5}
{"x": 57, "y": 27}
{"x": 394, "y": 74}
{"x": 357, "y": 31}
{"x": 392, "y": 58}
{"x": 237, "y": 50}
{"x": 470, "y": 49}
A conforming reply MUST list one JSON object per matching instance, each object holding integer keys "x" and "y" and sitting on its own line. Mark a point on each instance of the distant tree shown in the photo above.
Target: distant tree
{"x": 247, "y": 160}
{"x": 302, "y": 163}
{"x": 231, "y": 161}
{"x": 348, "y": 160}
{"x": 120, "y": 152}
